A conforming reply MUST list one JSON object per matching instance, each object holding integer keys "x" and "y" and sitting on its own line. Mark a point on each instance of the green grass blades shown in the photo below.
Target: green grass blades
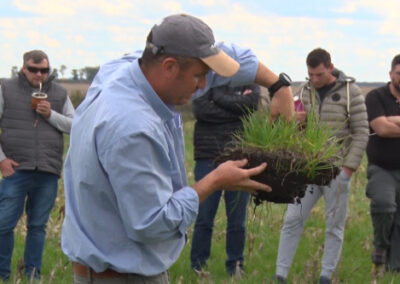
{"x": 314, "y": 143}
{"x": 263, "y": 228}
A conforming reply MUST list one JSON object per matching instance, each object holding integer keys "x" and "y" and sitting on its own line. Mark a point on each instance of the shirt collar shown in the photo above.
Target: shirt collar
{"x": 164, "y": 111}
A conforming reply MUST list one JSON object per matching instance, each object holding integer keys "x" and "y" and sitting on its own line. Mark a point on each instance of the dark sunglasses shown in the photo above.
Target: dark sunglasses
{"x": 35, "y": 69}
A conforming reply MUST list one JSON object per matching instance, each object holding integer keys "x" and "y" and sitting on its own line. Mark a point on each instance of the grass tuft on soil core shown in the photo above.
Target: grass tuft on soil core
{"x": 313, "y": 144}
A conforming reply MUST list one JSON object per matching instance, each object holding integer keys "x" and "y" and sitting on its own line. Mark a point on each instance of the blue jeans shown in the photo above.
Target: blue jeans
{"x": 40, "y": 191}
{"x": 236, "y": 209}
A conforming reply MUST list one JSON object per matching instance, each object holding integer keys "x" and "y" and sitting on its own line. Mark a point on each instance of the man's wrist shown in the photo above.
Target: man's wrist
{"x": 348, "y": 171}
{"x": 283, "y": 80}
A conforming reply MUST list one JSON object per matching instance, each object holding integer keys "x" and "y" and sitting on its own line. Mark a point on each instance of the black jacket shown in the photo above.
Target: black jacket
{"x": 218, "y": 114}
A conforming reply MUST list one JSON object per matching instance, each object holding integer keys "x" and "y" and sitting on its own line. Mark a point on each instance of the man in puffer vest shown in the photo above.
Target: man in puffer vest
{"x": 339, "y": 104}
{"x": 31, "y": 149}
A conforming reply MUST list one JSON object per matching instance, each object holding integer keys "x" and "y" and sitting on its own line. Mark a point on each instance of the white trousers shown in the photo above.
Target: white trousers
{"x": 336, "y": 197}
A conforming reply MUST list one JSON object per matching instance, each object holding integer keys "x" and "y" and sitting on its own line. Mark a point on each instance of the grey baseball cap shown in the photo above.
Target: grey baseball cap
{"x": 185, "y": 35}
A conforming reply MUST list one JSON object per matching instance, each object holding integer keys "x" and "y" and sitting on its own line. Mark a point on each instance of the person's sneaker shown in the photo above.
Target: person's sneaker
{"x": 324, "y": 280}
{"x": 378, "y": 256}
{"x": 278, "y": 279}
{"x": 238, "y": 274}
{"x": 201, "y": 273}
{"x": 377, "y": 271}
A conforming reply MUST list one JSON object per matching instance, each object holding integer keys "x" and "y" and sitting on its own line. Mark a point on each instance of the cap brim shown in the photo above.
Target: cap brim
{"x": 222, "y": 64}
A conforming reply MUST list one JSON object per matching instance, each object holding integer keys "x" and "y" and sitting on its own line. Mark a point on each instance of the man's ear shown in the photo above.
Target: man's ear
{"x": 170, "y": 67}
{"x": 24, "y": 70}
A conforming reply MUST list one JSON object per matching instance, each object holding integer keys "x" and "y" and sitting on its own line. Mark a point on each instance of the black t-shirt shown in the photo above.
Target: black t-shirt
{"x": 323, "y": 91}
{"x": 384, "y": 152}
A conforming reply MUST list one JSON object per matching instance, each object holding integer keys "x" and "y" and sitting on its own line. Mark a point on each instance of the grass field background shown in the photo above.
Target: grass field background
{"x": 263, "y": 228}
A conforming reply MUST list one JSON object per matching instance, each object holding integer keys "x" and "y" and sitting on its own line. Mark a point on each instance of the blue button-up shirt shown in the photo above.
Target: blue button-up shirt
{"x": 128, "y": 203}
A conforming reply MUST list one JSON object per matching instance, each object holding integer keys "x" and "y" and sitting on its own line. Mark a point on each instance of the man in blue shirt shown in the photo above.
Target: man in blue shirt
{"x": 128, "y": 203}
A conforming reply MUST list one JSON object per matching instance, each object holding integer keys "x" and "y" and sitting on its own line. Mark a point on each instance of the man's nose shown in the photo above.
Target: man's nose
{"x": 313, "y": 80}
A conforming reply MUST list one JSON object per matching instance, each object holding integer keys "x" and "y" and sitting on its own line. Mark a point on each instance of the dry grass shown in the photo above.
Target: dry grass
{"x": 73, "y": 87}
{"x": 263, "y": 229}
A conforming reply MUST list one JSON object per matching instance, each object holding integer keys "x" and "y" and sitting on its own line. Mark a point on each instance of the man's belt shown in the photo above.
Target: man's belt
{"x": 85, "y": 271}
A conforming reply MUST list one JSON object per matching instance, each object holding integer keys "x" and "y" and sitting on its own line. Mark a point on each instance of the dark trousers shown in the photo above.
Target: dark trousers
{"x": 236, "y": 209}
{"x": 383, "y": 189}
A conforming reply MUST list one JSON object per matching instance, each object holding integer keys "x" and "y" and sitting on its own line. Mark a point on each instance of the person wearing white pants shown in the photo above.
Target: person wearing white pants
{"x": 339, "y": 104}
{"x": 336, "y": 196}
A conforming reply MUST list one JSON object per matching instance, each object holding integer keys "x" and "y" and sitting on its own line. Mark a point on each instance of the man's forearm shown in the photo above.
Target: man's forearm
{"x": 394, "y": 119}
{"x": 63, "y": 121}
{"x": 60, "y": 122}
{"x": 282, "y": 103}
{"x": 385, "y": 127}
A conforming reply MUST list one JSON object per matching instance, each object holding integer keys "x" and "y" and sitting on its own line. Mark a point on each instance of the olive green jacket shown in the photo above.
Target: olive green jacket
{"x": 343, "y": 109}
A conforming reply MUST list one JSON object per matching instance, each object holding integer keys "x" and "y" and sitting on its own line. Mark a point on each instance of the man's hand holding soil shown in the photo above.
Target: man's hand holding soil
{"x": 230, "y": 175}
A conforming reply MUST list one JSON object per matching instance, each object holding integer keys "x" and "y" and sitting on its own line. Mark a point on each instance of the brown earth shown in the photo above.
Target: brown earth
{"x": 282, "y": 173}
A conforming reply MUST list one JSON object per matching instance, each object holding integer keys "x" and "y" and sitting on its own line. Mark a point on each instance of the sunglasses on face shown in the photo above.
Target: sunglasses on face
{"x": 35, "y": 69}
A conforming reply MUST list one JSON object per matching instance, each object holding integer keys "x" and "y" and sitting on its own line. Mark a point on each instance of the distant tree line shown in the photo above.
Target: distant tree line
{"x": 84, "y": 74}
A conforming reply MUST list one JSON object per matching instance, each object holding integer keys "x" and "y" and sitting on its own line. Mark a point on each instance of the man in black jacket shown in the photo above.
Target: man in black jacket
{"x": 218, "y": 115}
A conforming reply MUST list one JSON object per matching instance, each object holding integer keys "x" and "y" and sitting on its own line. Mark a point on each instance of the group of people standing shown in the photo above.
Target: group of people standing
{"x": 128, "y": 203}
{"x": 340, "y": 105}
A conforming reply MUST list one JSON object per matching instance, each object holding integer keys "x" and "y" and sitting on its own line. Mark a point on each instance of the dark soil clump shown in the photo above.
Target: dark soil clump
{"x": 282, "y": 173}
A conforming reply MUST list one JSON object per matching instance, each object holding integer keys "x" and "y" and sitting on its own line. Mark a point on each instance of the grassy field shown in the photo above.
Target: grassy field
{"x": 263, "y": 228}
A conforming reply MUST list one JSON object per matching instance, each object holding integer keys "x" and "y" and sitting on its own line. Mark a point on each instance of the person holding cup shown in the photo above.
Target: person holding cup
{"x": 31, "y": 149}
{"x": 37, "y": 97}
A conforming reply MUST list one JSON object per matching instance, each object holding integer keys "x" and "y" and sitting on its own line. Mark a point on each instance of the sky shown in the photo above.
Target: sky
{"x": 362, "y": 36}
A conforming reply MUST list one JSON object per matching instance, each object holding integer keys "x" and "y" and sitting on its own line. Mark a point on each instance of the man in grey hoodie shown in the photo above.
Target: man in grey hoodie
{"x": 340, "y": 105}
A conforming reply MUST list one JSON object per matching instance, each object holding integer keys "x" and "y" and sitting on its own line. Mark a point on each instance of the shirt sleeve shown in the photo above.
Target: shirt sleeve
{"x": 63, "y": 121}
{"x": 238, "y": 104}
{"x": 358, "y": 127}
{"x": 247, "y": 72}
{"x": 374, "y": 106}
{"x": 139, "y": 170}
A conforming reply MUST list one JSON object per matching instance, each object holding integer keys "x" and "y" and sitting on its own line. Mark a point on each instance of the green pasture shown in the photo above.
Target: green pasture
{"x": 263, "y": 228}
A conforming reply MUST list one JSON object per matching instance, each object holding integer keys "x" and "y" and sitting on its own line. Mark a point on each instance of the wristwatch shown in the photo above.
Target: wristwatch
{"x": 283, "y": 80}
